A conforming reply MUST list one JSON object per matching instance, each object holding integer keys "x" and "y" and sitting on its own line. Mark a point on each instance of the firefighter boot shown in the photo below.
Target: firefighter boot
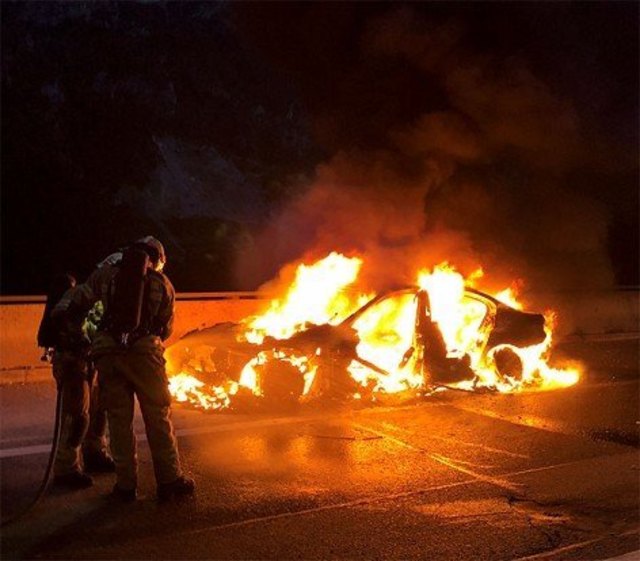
{"x": 181, "y": 487}
{"x": 73, "y": 480}
{"x": 98, "y": 462}
{"x": 123, "y": 495}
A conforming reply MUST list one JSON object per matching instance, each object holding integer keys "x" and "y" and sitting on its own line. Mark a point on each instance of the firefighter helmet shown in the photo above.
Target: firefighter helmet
{"x": 155, "y": 249}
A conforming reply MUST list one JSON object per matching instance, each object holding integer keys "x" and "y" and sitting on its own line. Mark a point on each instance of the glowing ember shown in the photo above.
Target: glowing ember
{"x": 439, "y": 333}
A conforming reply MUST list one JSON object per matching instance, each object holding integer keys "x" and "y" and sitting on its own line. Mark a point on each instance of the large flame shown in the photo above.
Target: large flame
{"x": 457, "y": 322}
{"x": 314, "y": 297}
{"x": 386, "y": 347}
{"x": 388, "y": 358}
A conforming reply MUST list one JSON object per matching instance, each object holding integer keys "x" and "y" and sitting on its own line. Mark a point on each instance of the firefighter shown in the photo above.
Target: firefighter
{"x": 83, "y": 444}
{"x": 132, "y": 365}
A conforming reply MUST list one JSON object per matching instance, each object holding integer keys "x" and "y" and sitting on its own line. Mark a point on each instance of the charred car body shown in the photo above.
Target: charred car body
{"x": 321, "y": 360}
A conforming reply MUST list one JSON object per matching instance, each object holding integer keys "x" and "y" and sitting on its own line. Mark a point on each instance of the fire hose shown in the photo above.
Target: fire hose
{"x": 44, "y": 485}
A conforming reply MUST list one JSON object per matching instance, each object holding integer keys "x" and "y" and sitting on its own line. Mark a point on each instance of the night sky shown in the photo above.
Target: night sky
{"x": 246, "y": 136}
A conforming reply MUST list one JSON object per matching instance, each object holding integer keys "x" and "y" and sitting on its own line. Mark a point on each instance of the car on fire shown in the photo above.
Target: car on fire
{"x": 339, "y": 359}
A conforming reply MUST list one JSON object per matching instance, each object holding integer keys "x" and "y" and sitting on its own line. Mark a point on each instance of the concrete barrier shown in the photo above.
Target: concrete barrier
{"x": 579, "y": 313}
{"x": 20, "y": 318}
{"x": 592, "y": 311}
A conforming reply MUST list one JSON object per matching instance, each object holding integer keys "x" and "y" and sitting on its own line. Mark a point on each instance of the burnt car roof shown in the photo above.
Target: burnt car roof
{"x": 235, "y": 326}
{"x": 415, "y": 288}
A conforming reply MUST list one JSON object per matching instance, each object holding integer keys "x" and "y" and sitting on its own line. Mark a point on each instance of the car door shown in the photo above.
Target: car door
{"x": 386, "y": 334}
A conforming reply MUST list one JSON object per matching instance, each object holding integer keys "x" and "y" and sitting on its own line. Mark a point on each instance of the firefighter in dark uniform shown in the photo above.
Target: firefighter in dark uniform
{"x": 83, "y": 443}
{"x": 136, "y": 368}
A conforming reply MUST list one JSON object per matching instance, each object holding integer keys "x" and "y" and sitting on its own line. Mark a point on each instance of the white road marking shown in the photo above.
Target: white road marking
{"x": 25, "y": 451}
{"x": 633, "y": 556}
{"x": 496, "y": 481}
{"x": 357, "y": 502}
{"x": 463, "y": 443}
{"x": 369, "y": 500}
{"x": 18, "y": 452}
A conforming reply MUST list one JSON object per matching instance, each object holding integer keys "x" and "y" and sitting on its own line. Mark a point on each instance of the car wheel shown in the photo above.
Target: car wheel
{"x": 508, "y": 364}
{"x": 280, "y": 381}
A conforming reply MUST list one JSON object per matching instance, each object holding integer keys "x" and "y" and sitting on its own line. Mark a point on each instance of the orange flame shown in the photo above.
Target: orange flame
{"x": 314, "y": 297}
{"x": 388, "y": 359}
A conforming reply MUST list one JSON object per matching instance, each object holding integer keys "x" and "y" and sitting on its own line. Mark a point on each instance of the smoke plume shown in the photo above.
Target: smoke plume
{"x": 482, "y": 174}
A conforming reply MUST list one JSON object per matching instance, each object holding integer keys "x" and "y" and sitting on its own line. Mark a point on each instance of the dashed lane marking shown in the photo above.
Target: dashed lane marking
{"x": 496, "y": 481}
{"x": 464, "y": 443}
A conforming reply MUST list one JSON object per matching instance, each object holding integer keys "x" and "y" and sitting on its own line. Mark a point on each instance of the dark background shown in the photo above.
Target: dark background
{"x": 202, "y": 123}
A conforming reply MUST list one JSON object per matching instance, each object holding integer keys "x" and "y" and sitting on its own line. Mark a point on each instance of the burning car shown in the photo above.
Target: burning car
{"x": 439, "y": 333}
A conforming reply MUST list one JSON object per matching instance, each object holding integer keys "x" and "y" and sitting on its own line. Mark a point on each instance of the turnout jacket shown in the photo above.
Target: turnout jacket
{"x": 157, "y": 312}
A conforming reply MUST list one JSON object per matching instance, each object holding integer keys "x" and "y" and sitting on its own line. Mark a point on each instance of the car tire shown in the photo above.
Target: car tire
{"x": 280, "y": 382}
{"x": 508, "y": 364}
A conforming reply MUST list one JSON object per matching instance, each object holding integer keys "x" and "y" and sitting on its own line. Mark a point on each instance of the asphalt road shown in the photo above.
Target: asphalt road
{"x": 550, "y": 475}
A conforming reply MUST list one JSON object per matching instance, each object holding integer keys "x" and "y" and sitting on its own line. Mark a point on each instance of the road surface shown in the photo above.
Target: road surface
{"x": 551, "y": 475}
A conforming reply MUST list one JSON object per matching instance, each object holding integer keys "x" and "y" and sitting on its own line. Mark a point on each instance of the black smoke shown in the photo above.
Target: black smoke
{"x": 496, "y": 135}
{"x": 248, "y": 135}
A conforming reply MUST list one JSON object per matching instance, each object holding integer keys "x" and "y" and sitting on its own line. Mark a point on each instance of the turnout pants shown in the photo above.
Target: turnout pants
{"x": 125, "y": 374}
{"x": 84, "y": 419}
